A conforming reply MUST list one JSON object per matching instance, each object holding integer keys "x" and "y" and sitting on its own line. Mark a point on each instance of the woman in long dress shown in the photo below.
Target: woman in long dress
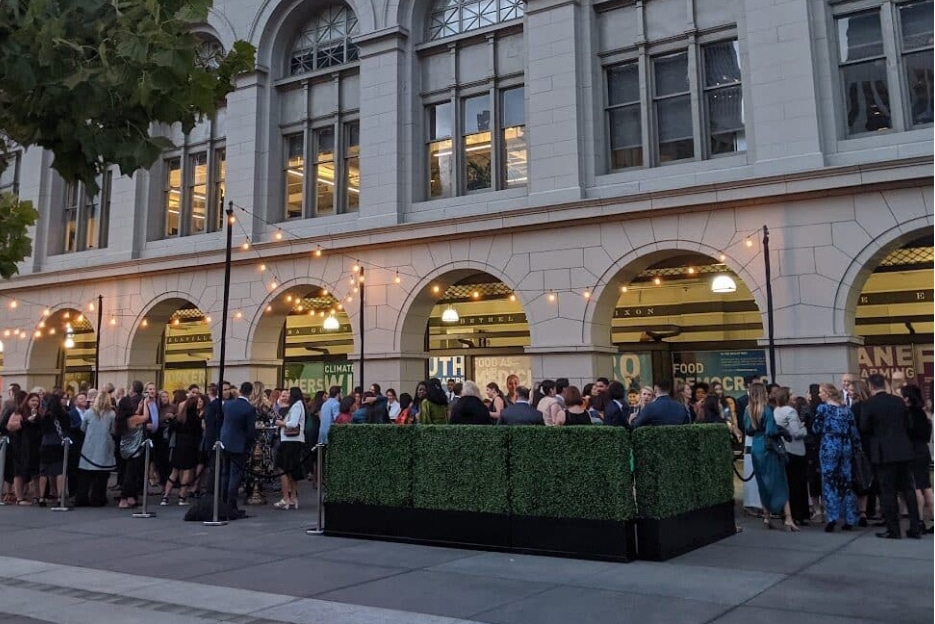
{"x": 768, "y": 466}
{"x": 835, "y": 423}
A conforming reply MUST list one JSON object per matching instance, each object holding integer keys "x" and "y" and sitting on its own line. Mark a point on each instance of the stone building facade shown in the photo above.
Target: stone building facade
{"x": 560, "y": 147}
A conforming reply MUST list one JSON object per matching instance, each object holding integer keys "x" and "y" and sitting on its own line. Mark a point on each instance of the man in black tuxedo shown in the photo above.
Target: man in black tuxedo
{"x": 521, "y": 412}
{"x": 238, "y": 433}
{"x": 885, "y": 419}
{"x": 664, "y": 410}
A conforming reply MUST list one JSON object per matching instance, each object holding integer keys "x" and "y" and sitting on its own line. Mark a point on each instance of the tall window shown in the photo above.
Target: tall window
{"x": 626, "y": 123}
{"x": 723, "y": 99}
{"x": 885, "y": 65}
{"x": 489, "y": 150}
{"x": 325, "y": 42}
{"x": 86, "y": 215}
{"x": 334, "y": 187}
{"x": 452, "y": 17}
{"x": 193, "y": 192}
{"x": 9, "y": 173}
{"x": 668, "y": 97}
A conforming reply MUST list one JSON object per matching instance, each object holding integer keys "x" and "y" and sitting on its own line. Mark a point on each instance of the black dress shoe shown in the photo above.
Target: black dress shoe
{"x": 930, "y": 530}
{"x": 829, "y": 528}
{"x": 888, "y": 535}
{"x": 862, "y": 523}
{"x": 881, "y": 523}
{"x": 913, "y": 535}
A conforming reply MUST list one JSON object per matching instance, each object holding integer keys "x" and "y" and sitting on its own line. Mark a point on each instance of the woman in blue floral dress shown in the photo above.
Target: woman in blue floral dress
{"x": 835, "y": 423}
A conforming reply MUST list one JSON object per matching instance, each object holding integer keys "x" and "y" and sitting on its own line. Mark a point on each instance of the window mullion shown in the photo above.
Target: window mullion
{"x": 693, "y": 90}
{"x": 890, "y": 27}
{"x": 646, "y": 109}
{"x": 338, "y": 153}
{"x": 308, "y": 201}
{"x": 81, "y": 217}
{"x": 498, "y": 176}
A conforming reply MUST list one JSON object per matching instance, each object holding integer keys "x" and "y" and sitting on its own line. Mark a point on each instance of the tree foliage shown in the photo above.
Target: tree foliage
{"x": 86, "y": 79}
{"x": 15, "y": 219}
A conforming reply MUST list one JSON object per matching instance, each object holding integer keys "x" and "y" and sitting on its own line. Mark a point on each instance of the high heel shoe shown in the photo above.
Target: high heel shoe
{"x": 829, "y": 528}
{"x": 295, "y": 504}
{"x": 767, "y": 524}
{"x": 791, "y": 526}
{"x": 282, "y": 504}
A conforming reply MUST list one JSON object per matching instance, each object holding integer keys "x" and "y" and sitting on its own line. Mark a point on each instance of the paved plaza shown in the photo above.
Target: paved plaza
{"x": 101, "y": 565}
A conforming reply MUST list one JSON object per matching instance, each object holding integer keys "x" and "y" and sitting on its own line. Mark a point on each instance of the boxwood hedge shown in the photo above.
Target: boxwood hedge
{"x": 370, "y": 464}
{"x": 678, "y": 469}
{"x": 461, "y": 468}
{"x": 571, "y": 472}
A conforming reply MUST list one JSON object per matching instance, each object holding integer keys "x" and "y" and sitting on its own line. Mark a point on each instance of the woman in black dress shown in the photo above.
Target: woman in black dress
{"x": 921, "y": 435}
{"x": 22, "y": 426}
{"x": 185, "y": 440}
{"x": 53, "y": 427}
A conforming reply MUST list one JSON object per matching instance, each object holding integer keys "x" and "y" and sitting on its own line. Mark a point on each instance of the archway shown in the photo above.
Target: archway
{"x": 305, "y": 330}
{"x": 64, "y": 346}
{"x": 685, "y": 316}
{"x": 173, "y": 342}
{"x": 893, "y": 312}
{"x": 469, "y": 325}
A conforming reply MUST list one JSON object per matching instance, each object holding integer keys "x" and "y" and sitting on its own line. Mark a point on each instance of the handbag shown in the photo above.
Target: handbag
{"x": 292, "y": 432}
{"x": 774, "y": 444}
{"x": 861, "y": 471}
{"x": 131, "y": 443}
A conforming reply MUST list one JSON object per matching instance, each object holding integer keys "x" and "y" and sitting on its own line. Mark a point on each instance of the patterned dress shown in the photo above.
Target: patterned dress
{"x": 839, "y": 437}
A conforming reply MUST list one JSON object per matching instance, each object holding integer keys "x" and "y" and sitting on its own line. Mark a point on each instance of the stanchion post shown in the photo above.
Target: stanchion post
{"x": 319, "y": 481}
{"x": 144, "y": 512}
{"x": 218, "y": 447}
{"x": 63, "y": 502}
{"x": 3, "y": 444}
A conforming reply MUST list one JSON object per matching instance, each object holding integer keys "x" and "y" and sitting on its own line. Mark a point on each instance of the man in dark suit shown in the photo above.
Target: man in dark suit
{"x": 521, "y": 412}
{"x": 663, "y": 410}
{"x": 885, "y": 419}
{"x": 238, "y": 433}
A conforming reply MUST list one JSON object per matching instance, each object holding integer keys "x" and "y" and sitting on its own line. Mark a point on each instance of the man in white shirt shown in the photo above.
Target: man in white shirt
{"x": 847, "y": 379}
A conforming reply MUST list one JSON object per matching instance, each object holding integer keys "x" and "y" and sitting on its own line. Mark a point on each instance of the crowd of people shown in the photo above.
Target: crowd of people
{"x": 801, "y": 450}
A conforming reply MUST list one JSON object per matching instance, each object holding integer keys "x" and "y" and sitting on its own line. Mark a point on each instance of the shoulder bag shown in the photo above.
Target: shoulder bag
{"x": 293, "y": 432}
{"x": 861, "y": 471}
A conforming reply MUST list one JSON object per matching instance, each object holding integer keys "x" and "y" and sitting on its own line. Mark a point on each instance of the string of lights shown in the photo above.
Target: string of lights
{"x": 329, "y": 288}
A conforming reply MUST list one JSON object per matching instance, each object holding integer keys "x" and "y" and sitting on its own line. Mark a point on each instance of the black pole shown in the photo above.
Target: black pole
{"x": 360, "y": 285}
{"x": 769, "y": 306}
{"x": 227, "y": 293}
{"x": 97, "y": 341}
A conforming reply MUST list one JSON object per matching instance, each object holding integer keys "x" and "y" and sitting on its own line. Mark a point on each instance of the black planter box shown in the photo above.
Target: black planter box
{"x": 558, "y": 537}
{"x": 605, "y": 540}
{"x": 659, "y": 540}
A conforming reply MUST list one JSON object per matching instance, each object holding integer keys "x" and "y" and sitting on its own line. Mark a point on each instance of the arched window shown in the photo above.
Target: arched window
{"x": 452, "y": 17}
{"x": 326, "y": 41}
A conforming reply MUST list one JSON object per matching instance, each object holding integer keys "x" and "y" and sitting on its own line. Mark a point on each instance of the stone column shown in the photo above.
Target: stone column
{"x": 385, "y": 155}
{"x": 554, "y": 107}
{"x": 803, "y": 360}
{"x": 579, "y": 363}
{"x": 239, "y": 371}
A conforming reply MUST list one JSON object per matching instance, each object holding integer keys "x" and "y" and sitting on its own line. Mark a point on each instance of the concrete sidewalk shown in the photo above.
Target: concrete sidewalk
{"x": 93, "y": 565}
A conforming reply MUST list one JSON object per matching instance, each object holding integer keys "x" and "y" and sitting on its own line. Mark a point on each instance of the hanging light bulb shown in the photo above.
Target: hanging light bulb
{"x": 587, "y": 294}
{"x": 748, "y": 242}
{"x": 232, "y": 219}
{"x": 51, "y": 331}
{"x": 691, "y": 270}
{"x": 273, "y": 285}
{"x": 397, "y": 279}
{"x": 288, "y": 298}
{"x": 722, "y": 257}
{"x": 262, "y": 268}
{"x": 278, "y": 235}
{"x": 355, "y": 268}
{"x": 239, "y": 315}
{"x": 435, "y": 289}
{"x": 551, "y": 297}
{"x": 450, "y": 315}
{"x": 46, "y": 312}
{"x": 269, "y": 309}
{"x": 512, "y": 297}
{"x": 176, "y": 322}
{"x": 331, "y": 323}
{"x": 79, "y": 318}
{"x": 91, "y": 307}
{"x": 623, "y": 289}
{"x": 38, "y": 334}
{"x": 245, "y": 246}
{"x": 113, "y": 320}
{"x": 41, "y": 324}
{"x": 324, "y": 292}
{"x": 69, "y": 340}
{"x": 145, "y": 323}
{"x": 476, "y": 294}
{"x": 723, "y": 284}
{"x": 208, "y": 320}
{"x": 13, "y": 304}
{"x": 318, "y": 252}
{"x": 657, "y": 281}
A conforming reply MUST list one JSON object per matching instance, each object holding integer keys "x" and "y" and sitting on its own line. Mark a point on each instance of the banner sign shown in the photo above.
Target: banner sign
{"x": 181, "y": 378}
{"x": 448, "y": 367}
{"x": 885, "y": 360}
{"x": 311, "y": 377}
{"x": 925, "y": 369}
{"x": 727, "y": 367}
{"x": 507, "y": 372}
{"x": 634, "y": 370}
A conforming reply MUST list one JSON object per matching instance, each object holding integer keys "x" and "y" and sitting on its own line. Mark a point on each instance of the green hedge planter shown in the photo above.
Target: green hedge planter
{"x": 370, "y": 465}
{"x": 684, "y": 487}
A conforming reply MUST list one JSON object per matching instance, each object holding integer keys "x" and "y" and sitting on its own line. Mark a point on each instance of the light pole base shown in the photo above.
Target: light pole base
{"x": 218, "y": 523}
{"x": 314, "y": 531}
{"x": 60, "y": 509}
{"x": 145, "y": 514}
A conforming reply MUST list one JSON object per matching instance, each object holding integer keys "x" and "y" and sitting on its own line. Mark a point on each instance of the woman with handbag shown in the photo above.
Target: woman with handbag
{"x": 787, "y": 419}
{"x": 53, "y": 427}
{"x": 866, "y": 498}
{"x": 22, "y": 425}
{"x": 834, "y": 422}
{"x": 291, "y": 448}
{"x": 769, "y": 457}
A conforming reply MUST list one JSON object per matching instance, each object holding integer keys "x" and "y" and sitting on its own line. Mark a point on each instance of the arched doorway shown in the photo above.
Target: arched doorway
{"x": 893, "y": 314}
{"x": 470, "y": 325}
{"x": 64, "y": 346}
{"x": 173, "y": 342}
{"x": 684, "y": 316}
{"x": 307, "y": 332}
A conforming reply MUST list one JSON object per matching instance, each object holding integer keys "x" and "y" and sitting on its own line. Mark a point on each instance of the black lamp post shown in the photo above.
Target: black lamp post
{"x": 770, "y": 337}
{"x": 97, "y": 342}
{"x": 360, "y": 284}
{"x": 227, "y": 292}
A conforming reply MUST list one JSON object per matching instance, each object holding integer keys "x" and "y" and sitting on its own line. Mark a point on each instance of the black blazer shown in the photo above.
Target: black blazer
{"x": 238, "y": 430}
{"x": 521, "y": 414}
{"x": 885, "y": 419}
{"x": 469, "y": 410}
